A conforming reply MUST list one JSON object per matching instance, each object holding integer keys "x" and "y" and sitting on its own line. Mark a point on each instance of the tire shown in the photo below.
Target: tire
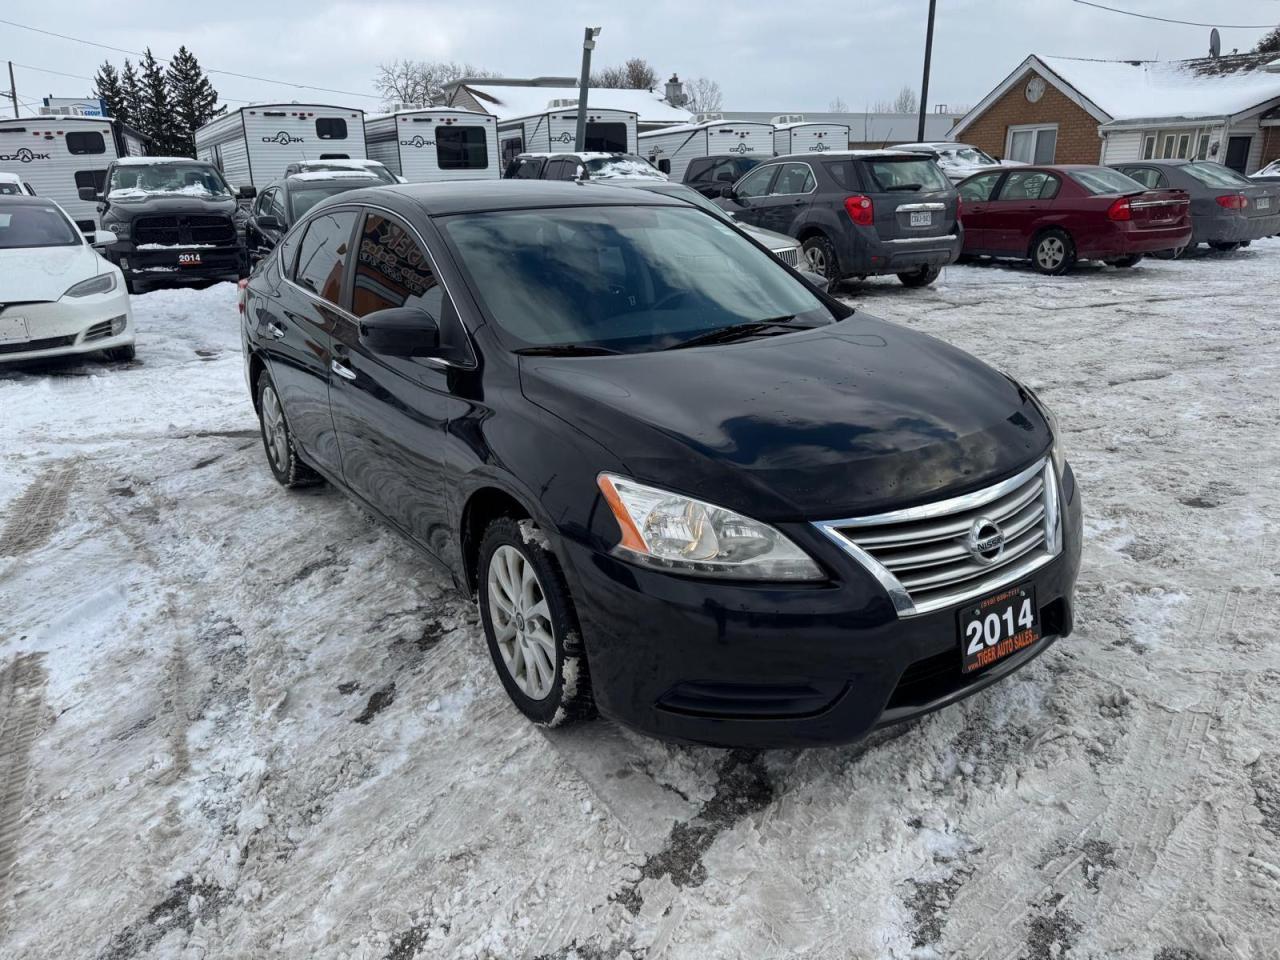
{"x": 920, "y": 278}
{"x": 1226, "y": 247}
{"x": 133, "y": 286}
{"x": 1053, "y": 253}
{"x": 821, "y": 255}
{"x": 121, "y": 354}
{"x": 286, "y": 466}
{"x": 1125, "y": 262}
{"x": 530, "y": 625}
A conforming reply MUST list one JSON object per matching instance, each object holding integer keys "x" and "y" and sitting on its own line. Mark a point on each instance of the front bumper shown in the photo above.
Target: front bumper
{"x": 70, "y": 326}
{"x": 775, "y": 665}
{"x": 161, "y": 264}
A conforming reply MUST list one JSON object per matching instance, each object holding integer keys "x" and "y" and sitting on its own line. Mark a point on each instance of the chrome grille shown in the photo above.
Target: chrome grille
{"x": 931, "y": 556}
{"x": 788, "y": 255}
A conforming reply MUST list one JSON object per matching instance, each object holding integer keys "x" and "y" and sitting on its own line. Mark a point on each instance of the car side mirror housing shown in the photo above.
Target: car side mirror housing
{"x": 248, "y": 193}
{"x": 727, "y": 192}
{"x": 103, "y": 238}
{"x": 89, "y": 194}
{"x": 269, "y": 223}
{"x": 401, "y": 332}
{"x": 816, "y": 280}
{"x": 725, "y": 176}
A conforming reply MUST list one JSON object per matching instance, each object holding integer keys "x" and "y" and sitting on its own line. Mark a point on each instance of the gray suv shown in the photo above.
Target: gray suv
{"x": 857, "y": 213}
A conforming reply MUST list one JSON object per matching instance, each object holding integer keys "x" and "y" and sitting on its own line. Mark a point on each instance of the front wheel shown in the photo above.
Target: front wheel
{"x": 282, "y": 457}
{"x": 530, "y": 625}
{"x": 821, "y": 256}
{"x": 920, "y": 278}
{"x": 1053, "y": 253}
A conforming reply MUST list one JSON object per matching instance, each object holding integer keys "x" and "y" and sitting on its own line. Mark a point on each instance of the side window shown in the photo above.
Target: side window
{"x": 664, "y": 165}
{"x": 842, "y": 173}
{"x": 322, "y": 257}
{"x": 461, "y": 148}
{"x": 1024, "y": 185}
{"x": 289, "y": 251}
{"x": 793, "y": 178}
{"x": 263, "y": 205}
{"x": 530, "y": 169}
{"x": 392, "y": 270}
{"x": 978, "y": 189}
{"x": 1147, "y": 176}
{"x": 277, "y": 209}
{"x": 512, "y": 147}
{"x": 742, "y": 164}
{"x": 697, "y": 169}
{"x": 756, "y": 183}
{"x": 86, "y": 142}
{"x": 331, "y": 128}
{"x": 91, "y": 178}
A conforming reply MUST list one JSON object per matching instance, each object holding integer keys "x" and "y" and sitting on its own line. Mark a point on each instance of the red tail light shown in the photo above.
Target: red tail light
{"x": 242, "y": 293}
{"x": 860, "y": 210}
{"x": 1233, "y": 201}
{"x": 1120, "y": 210}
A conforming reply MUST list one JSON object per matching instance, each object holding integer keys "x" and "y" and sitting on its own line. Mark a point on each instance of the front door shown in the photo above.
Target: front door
{"x": 750, "y": 191}
{"x": 1238, "y": 153}
{"x": 1022, "y": 203}
{"x": 789, "y": 195}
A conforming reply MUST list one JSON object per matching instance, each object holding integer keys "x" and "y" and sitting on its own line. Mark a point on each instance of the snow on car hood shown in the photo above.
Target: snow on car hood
{"x": 45, "y": 273}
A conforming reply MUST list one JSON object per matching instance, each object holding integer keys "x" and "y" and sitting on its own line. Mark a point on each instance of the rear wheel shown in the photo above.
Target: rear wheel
{"x": 286, "y": 465}
{"x": 920, "y": 278}
{"x": 1225, "y": 247}
{"x": 821, "y": 256}
{"x": 1126, "y": 261}
{"x": 1053, "y": 252}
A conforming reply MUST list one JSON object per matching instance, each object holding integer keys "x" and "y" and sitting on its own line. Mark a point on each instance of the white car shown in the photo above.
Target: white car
{"x": 958, "y": 160}
{"x": 57, "y": 295}
{"x": 13, "y": 185}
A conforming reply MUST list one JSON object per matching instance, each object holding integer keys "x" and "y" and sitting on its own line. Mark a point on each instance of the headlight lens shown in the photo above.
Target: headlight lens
{"x": 673, "y": 532}
{"x": 102, "y": 283}
{"x": 119, "y": 227}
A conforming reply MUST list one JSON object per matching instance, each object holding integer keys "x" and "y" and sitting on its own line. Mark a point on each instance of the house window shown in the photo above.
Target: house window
{"x": 1175, "y": 145}
{"x": 1149, "y": 146}
{"x": 1032, "y": 144}
{"x": 1202, "y": 152}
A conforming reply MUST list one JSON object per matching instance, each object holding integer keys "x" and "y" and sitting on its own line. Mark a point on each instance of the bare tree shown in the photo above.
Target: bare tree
{"x": 703, "y": 95}
{"x": 906, "y": 101}
{"x": 612, "y": 77}
{"x": 422, "y": 81}
{"x": 837, "y": 105}
{"x": 882, "y": 106}
{"x": 635, "y": 74}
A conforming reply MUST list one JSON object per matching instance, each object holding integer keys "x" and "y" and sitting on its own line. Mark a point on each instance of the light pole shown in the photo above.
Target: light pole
{"x": 924, "y": 86}
{"x": 588, "y": 44}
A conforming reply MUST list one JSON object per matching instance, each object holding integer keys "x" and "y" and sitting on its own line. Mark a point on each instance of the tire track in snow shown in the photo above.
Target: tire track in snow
{"x": 37, "y": 511}
{"x": 21, "y": 705}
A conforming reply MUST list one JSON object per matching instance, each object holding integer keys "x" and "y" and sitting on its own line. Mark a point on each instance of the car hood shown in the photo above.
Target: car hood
{"x": 851, "y": 418}
{"x": 45, "y": 273}
{"x": 168, "y": 205}
{"x": 768, "y": 238}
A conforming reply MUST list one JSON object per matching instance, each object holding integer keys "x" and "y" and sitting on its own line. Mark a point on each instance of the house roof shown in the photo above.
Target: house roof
{"x": 507, "y": 100}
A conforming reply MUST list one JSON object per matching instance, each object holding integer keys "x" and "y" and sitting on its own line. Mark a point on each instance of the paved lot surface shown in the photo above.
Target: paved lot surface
{"x": 239, "y": 722}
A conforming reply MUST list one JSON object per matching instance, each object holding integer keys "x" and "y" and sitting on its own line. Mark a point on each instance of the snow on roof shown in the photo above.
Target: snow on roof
{"x": 151, "y": 161}
{"x": 806, "y": 123}
{"x": 505, "y": 102}
{"x": 414, "y": 111}
{"x": 335, "y": 175}
{"x": 1149, "y": 89}
{"x": 704, "y": 125}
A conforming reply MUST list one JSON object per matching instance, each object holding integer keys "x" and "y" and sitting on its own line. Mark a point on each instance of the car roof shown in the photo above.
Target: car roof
{"x": 855, "y": 154}
{"x": 581, "y": 155}
{"x": 1157, "y": 163}
{"x": 482, "y": 196}
{"x": 26, "y": 200}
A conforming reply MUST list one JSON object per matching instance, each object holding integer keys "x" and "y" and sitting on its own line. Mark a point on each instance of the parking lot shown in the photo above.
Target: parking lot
{"x": 237, "y": 721}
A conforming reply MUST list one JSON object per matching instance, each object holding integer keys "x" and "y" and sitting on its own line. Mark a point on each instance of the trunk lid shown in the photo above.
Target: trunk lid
{"x": 911, "y": 197}
{"x": 1154, "y": 209}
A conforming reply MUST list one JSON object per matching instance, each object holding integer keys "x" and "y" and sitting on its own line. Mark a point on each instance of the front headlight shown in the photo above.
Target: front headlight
{"x": 677, "y": 533}
{"x": 119, "y": 227}
{"x": 102, "y": 283}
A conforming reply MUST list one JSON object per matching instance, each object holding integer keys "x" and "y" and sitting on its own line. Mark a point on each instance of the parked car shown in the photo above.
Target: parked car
{"x": 857, "y": 213}
{"x": 710, "y": 175}
{"x": 684, "y": 487}
{"x": 372, "y": 167}
{"x": 580, "y": 166}
{"x": 280, "y": 204}
{"x": 1227, "y": 209}
{"x": 1268, "y": 174}
{"x": 1057, "y": 215}
{"x": 175, "y": 220}
{"x": 57, "y": 295}
{"x": 13, "y": 185}
{"x": 957, "y": 160}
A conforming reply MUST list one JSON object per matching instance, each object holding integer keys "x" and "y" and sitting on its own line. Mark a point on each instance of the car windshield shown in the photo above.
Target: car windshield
{"x": 624, "y": 279}
{"x": 160, "y": 179}
{"x": 623, "y": 165}
{"x": 23, "y": 226}
{"x": 1272, "y": 169}
{"x": 1100, "y": 180}
{"x": 303, "y": 198}
{"x": 1216, "y": 175}
{"x": 915, "y": 173}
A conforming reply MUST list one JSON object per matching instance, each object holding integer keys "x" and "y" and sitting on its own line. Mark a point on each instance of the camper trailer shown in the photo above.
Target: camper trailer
{"x": 59, "y": 154}
{"x": 556, "y": 129}
{"x": 671, "y": 148}
{"x": 254, "y": 145}
{"x": 435, "y": 143}
{"x": 792, "y": 134}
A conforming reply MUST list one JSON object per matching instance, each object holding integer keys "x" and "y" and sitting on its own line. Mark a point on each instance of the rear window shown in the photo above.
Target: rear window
{"x": 331, "y": 128}
{"x": 1100, "y": 180}
{"x": 912, "y": 174}
{"x": 86, "y": 142}
{"x": 1216, "y": 175}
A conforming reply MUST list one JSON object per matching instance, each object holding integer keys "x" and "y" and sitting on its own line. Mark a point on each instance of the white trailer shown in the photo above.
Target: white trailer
{"x": 556, "y": 129}
{"x": 799, "y": 136}
{"x": 435, "y": 143}
{"x": 254, "y": 144}
{"x": 59, "y": 154}
{"x": 671, "y": 148}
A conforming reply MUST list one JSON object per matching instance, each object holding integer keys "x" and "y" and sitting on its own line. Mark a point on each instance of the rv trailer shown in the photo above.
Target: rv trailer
{"x": 430, "y": 144}
{"x": 792, "y": 134}
{"x": 671, "y": 148}
{"x": 253, "y": 145}
{"x": 556, "y": 130}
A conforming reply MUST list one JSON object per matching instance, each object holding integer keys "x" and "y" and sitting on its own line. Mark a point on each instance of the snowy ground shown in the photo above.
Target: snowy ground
{"x": 240, "y": 722}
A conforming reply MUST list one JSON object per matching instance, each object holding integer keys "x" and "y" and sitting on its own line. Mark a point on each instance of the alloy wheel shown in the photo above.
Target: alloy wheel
{"x": 273, "y": 429}
{"x": 1050, "y": 253}
{"x": 817, "y": 260}
{"x": 522, "y": 622}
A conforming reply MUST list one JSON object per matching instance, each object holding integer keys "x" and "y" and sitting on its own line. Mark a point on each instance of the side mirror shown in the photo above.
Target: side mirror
{"x": 89, "y": 193}
{"x": 248, "y": 193}
{"x": 103, "y": 238}
{"x": 400, "y": 332}
{"x": 816, "y": 280}
{"x": 725, "y": 175}
{"x": 268, "y": 222}
{"x": 727, "y": 192}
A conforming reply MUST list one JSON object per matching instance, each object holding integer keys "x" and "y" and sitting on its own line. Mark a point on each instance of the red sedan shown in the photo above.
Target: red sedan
{"x": 1054, "y": 216}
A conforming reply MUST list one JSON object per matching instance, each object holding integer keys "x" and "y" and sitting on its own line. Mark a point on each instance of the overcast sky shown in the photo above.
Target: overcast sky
{"x": 779, "y": 55}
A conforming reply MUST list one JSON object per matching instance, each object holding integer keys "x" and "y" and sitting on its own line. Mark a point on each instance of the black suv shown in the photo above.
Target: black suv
{"x": 710, "y": 175}
{"x": 684, "y": 487}
{"x": 580, "y": 166}
{"x": 857, "y": 213}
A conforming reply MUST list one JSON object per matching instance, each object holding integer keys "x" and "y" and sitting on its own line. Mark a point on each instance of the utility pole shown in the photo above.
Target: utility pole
{"x": 13, "y": 89}
{"x": 924, "y": 85}
{"x": 588, "y": 44}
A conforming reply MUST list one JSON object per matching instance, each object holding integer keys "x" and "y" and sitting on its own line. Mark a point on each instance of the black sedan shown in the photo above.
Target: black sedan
{"x": 280, "y": 205}
{"x": 1227, "y": 209}
{"x": 685, "y": 488}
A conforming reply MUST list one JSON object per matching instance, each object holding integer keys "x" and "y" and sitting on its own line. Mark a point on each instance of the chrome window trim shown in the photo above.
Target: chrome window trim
{"x": 947, "y": 238}
{"x": 933, "y": 205}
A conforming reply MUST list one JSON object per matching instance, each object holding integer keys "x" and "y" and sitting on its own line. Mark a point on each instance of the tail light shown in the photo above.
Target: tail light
{"x": 1233, "y": 201}
{"x": 242, "y": 293}
{"x": 1120, "y": 210}
{"x": 860, "y": 210}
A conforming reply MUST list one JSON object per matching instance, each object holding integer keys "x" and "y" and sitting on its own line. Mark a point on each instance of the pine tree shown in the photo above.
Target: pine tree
{"x": 106, "y": 87}
{"x": 1270, "y": 43}
{"x": 193, "y": 100}
{"x": 155, "y": 118}
{"x": 131, "y": 96}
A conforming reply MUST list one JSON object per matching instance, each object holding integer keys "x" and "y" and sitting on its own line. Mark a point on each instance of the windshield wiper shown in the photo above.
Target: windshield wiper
{"x": 566, "y": 350}
{"x": 736, "y": 331}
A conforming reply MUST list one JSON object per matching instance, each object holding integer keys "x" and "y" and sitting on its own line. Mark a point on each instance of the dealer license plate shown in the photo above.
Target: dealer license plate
{"x": 188, "y": 259}
{"x": 1264, "y": 203}
{"x": 924, "y": 219}
{"x": 14, "y": 328}
{"x": 998, "y": 626}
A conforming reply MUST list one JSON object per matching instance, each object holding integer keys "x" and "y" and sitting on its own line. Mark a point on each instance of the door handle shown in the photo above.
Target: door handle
{"x": 342, "y": 370}
{"x": 275, "y": 330}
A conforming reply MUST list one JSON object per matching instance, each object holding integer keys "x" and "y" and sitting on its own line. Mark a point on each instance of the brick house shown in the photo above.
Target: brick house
{"x": 1063, "y": 110}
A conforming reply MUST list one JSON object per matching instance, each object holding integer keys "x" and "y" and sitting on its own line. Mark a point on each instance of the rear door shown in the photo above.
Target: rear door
{"x": 975, "y": 208}
{"x": 911, "y": 198}
{"x": 1023, "y": 203}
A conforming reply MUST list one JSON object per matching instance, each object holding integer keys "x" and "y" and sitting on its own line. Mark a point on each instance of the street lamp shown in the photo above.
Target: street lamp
{"x": 588, "y": 44}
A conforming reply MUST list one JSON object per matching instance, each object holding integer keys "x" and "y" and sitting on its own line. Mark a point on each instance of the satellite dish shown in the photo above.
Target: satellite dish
{"x": 1215, "y": 42}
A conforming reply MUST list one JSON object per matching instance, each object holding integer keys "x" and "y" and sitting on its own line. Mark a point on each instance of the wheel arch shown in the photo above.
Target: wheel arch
{"x": 257, "y": 367}
{"x": 484, "y": 505}
{"x": 1038, "y": 233}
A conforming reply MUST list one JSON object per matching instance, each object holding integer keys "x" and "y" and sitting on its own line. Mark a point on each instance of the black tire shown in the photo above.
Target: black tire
{"x": 568, "y": 698}
{"x": 133, "y": 286}
{"x": 821, "y": 256}
{"x": 1053, "y": 253}
{"x": 121, "y": 354}
{"x": 920, "y": 278}
{"x": 277, "y": 442}
{"x": 1125, "y": 262}
{"x": 1226, "y": 246}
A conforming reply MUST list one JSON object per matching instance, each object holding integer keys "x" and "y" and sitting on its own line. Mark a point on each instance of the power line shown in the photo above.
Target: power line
{"x": 80, "y": 76}
{"x": 225, "y": 73}
{"x": 1188, "y": 23}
